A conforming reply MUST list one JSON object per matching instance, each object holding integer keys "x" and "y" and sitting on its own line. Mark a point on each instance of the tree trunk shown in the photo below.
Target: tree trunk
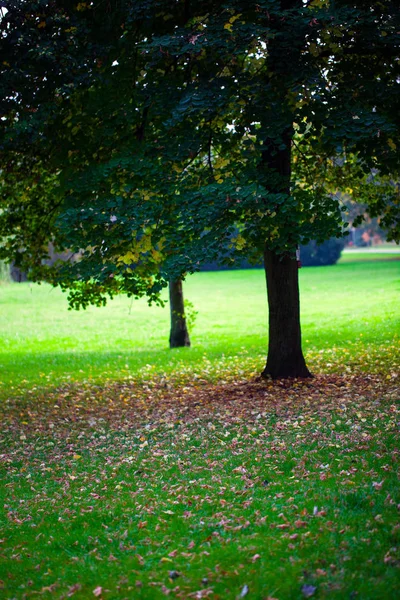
{"x": 179, "y": 335}
{"x": 285, "y": 356}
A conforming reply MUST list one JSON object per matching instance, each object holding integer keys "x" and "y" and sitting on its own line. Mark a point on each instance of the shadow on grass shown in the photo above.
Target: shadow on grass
{"x": 21, "y": 371}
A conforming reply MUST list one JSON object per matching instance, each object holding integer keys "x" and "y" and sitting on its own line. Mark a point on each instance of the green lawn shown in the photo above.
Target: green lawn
{"x": 345, "y": 306}
{"x": 368, "y": 255}
{"x": 131, "y": 471}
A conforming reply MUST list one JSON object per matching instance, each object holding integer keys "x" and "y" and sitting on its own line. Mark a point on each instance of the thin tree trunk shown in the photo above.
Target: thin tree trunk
{"x": 179, "y": 335}
{"x": 285, "y": 356}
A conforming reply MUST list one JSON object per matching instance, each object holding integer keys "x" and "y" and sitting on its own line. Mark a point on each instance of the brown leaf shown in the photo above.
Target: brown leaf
{"x": 73, "y": 589}
{"x": 299, "y": 523}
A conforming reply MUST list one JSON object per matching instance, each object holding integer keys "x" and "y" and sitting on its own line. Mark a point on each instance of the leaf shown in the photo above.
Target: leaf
{"x": 392, "y": 144}
{"x": 299, "y": 523}
{"x": 377, "y": 485}
{"x": 173, "y": 575}
{"x": 98, "y": 591}
{"x": 308, "y": 590}
{"x": 244, "y": 591}
{"x": 73, "y": 588}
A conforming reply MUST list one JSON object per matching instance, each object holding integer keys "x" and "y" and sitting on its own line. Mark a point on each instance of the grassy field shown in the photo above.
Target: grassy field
{"x": 131, "y": 471}
{"x": 348, "y": 308}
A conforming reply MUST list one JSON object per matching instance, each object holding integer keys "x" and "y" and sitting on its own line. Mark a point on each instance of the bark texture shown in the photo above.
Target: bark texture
{"x": 179, "y": 335}
{"x": 285, "y": 356}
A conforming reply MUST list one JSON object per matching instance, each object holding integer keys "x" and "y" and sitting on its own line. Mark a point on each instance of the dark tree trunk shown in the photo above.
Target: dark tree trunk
{"x": 179, "y": 335}
{"x": 285, "y": 356}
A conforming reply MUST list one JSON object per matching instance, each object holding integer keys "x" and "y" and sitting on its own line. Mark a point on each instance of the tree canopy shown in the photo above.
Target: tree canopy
{"x": 148, "y": 137}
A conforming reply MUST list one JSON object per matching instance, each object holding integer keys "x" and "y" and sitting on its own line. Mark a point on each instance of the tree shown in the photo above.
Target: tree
{"x": 197, "y": 131}
{"x": 179, "y": 334}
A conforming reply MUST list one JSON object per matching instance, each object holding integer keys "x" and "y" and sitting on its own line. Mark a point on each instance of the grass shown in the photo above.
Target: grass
{"x": 346, "y": 308}
{"x": 130, "y": 471}
{"x": 353, "y": 256}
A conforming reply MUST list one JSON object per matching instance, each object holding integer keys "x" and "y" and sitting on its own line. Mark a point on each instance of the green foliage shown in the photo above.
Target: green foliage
{"x": 190, "y": 314}
{"x": 155, "y": 131}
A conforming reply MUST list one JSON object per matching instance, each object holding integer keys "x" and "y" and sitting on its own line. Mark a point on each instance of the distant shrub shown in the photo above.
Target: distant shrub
{"x": 16, "y": 274}
{"x": 327, "y": 253}
{"x": 4, "y": 272}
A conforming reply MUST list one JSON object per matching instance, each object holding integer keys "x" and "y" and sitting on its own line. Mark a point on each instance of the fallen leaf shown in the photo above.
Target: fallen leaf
{"x": 376, "y": 485}
{"x": 308, "y": 590}
{"x": 244, "y": 592}
{"x": 299, "y": 523}
{"x": 73, "y": 589}
{"x": 173, "y": 575}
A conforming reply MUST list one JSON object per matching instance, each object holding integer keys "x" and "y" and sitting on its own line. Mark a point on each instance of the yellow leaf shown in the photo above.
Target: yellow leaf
{"x": 128, "y": 258}
{"x": 156, "y": 255}
{"x": 392, "y": 144}
{"x": 239, "y": 242}
{"x": 42, "y": 24}
{"x": 77, "y": 456}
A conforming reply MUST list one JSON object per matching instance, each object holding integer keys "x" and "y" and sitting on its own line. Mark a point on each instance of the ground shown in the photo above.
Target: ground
{"x": 282, "y": 490}
{"x": 198, "y": 479}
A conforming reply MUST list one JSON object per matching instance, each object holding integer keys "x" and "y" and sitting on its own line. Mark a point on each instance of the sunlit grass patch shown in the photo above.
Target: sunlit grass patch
{"x": 349, "y": 312}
